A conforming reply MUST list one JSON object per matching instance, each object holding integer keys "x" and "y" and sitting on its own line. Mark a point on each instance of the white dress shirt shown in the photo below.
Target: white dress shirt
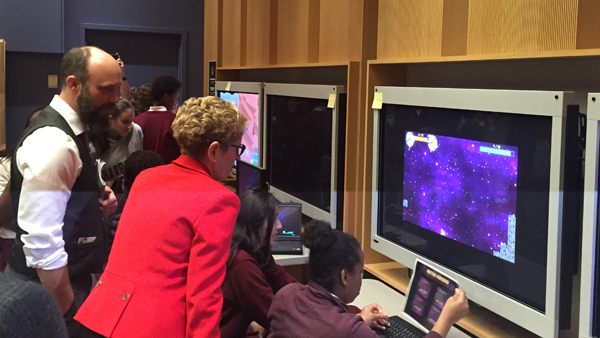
{"x": 49, "y": 162}
{"x": 157, "y": 108}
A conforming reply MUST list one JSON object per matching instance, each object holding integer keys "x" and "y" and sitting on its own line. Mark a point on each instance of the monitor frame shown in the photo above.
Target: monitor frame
{"x": 250, "y": 88}
{"x": 540, "y": 103}
{"x": 314, "y": 92}
{"x": 589, "y": 245}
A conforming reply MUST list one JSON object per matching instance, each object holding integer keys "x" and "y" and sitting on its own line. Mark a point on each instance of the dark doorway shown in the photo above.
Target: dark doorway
{"x": 146, "y": 55}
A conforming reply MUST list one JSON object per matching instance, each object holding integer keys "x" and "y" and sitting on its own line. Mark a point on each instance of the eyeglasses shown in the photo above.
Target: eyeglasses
{"x": 240, "y": 148}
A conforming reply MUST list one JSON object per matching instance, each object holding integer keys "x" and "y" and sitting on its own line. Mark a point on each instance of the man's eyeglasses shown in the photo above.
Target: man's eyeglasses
{"x": 240, "y": 148}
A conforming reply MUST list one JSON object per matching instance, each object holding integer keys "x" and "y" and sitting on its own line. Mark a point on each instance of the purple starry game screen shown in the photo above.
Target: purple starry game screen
{"x": 462, "y": 189}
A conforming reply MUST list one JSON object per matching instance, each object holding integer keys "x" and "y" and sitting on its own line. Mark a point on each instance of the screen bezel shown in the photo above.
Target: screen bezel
{"x": 553, "y": 104}
{"x": 589, "y": 244}
{"x": 312, "y": 92}
{"x": 250, "y": 88}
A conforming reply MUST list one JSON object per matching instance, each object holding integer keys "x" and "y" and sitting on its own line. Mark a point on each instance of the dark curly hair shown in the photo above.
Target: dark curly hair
{"x": 165, "y": 84}
{"x": 137, "y": 162}
{"x": 331, "y": 251}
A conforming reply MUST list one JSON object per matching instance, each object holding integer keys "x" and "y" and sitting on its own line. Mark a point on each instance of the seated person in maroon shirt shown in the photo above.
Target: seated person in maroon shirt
{"x": 156, "y": 122}
{"x": 252, "y": 276}
{"x": 320, "y": 309}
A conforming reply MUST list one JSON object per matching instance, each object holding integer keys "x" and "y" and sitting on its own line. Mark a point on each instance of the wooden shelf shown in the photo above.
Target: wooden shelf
{"x": 594, "y": 52}
{"x": 480, "y": 321}
{"x": 296, "y": 65}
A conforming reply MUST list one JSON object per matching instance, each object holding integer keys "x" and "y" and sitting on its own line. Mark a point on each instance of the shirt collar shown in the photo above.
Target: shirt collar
{"x": 157, "y": 108}
{"x": 71, "y": 116}
{"x": 187, "y": 162}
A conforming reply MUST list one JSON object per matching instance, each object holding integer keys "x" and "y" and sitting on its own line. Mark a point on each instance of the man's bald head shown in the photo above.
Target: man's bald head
{"x": 76, "y": 62}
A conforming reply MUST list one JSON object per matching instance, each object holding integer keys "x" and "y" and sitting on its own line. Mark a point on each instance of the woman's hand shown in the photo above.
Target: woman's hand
{"x": 374, "y": 317}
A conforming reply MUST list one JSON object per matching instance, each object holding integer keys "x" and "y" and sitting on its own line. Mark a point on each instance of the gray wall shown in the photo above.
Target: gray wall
{"x": 27, "y": 73}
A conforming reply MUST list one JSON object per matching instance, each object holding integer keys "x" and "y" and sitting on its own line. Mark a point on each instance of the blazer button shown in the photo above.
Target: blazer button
{"x": 125, "y": 296}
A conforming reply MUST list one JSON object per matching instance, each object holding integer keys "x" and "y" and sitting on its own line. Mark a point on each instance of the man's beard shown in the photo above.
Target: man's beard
{"x": 85, "y": 104}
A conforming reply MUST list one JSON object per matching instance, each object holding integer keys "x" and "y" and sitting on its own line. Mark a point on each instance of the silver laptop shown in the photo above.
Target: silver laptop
{"x": 287, "y": 240}
{"x": 426, "y": 296}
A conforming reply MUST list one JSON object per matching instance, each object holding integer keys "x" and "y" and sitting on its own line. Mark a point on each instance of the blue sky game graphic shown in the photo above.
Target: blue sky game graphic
{"x": 462, "y": 189}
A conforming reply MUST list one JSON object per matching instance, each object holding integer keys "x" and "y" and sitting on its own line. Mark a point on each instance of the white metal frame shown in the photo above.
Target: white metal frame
{"x": 252, "y": 88}
{"x": 316, "y": 92}
{"x": 540, "y": 103}
{"x": 590, "y": 219}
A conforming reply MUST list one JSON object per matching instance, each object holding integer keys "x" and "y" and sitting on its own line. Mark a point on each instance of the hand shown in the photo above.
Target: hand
{"x": 108, "y": 202}
{"x": 456, "y": 308}
{"x": 374, "y": 317}
{"x": 121, "y": 64}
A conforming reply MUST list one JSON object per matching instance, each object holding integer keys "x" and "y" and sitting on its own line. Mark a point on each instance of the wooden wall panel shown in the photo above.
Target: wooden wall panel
{"x": 341, "y": 28}
{"x": 260, "y": 14}
{"x": 515, "y": 26}
{"x": 231, "y": 53}
{"x": 212, "y": 51}
{"x": 455, "y": 27}
{"x": 588, "y": 25}
{"x": 297, "y": 31}
{"x": 2, "y": 96}
{"x": 409, "y": 28}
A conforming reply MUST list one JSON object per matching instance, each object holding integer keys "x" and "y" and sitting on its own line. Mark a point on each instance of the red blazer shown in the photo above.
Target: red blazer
{"x": 167, "y": 262}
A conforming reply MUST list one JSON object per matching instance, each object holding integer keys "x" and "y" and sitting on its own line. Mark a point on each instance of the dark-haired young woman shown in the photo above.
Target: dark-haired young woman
{"x": 114, "y": 138}
{"x": 252, "y": 276}
{"x": 320, "y": 309}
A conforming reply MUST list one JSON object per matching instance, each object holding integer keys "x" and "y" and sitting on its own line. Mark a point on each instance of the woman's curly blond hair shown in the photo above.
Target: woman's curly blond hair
{"x": 203, "y": 120}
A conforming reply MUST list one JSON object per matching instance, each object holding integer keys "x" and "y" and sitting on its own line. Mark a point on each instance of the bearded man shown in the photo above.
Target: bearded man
{"x": 55, "y": 189}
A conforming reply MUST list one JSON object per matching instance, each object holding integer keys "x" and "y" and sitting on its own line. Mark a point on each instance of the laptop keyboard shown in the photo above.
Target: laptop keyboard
{"x": 287, "y": 246}
{"x": 399, "y": 328}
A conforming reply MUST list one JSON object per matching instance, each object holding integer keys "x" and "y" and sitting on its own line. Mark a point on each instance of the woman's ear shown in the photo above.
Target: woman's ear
{"x": 212, "y": 151}
{"x": 344, "y": 277}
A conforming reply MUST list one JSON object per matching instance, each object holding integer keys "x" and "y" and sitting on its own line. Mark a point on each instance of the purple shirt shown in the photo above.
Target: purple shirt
{"x": 311, "y": 311}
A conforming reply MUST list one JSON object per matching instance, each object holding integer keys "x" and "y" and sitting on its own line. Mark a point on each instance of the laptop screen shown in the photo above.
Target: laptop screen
{"x": 427, "y": 295}
{"x": 290, "y": 216}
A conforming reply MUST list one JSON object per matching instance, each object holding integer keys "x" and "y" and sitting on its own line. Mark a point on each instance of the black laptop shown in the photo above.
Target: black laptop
{"x": 287, "y": 240}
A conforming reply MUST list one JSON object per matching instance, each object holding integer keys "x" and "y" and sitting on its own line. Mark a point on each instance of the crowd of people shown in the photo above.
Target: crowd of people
{"x": 114, "y": 223}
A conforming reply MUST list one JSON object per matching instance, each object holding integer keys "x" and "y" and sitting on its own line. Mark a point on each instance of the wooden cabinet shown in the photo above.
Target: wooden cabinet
{"x": 512, "y": 44}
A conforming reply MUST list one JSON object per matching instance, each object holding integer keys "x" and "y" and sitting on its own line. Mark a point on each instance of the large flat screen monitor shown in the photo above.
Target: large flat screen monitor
{"x": 471, "y": 180}
{"x": 247, "y": 97}
{"x": 589, "y": 314}
{"x": 306, "y": 140}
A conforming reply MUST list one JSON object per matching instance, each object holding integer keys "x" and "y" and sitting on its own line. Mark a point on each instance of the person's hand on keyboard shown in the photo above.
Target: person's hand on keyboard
{"x": 374, "y": 317}
{"x": 456, "y": 308}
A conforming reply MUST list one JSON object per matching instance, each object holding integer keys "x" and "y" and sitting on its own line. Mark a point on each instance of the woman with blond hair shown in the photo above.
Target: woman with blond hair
{"x": 167, "y": 262}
